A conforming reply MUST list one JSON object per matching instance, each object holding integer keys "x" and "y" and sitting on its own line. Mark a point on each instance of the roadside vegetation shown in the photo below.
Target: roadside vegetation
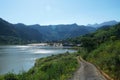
{"x": 107, "y": 57}
{"x": 102, "y": 48}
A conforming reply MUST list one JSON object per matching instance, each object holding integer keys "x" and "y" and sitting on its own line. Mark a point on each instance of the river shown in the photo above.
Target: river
{"x": 18, "y": 58}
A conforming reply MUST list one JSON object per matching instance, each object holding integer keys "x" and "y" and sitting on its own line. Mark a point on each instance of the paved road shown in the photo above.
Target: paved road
{"x": 87, "y": 71}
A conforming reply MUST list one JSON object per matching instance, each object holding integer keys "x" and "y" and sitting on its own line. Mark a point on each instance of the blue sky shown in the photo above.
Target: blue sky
{"x": 46, "y": 12}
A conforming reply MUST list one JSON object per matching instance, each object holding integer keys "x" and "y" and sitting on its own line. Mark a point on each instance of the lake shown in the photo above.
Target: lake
{"x": 18, "y": 58}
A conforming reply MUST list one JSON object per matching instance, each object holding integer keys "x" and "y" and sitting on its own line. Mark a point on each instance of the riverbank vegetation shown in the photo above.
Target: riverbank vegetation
{"x": 55, "y": 67}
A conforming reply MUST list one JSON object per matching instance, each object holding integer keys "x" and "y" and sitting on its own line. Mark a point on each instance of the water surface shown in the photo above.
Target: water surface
{"x": 18, "y": 58}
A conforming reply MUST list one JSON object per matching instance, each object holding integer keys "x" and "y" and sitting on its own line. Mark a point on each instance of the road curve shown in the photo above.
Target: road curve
{"x": 87, "y": 71}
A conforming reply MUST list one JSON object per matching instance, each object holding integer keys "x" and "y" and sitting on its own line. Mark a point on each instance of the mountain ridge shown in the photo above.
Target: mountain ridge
{"x": 106, "y": 23}
{"x": 38, "y": 33}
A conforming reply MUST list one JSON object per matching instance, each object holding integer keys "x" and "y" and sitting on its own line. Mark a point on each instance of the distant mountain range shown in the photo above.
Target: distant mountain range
{"x": 21, "y": 33}
{"x": 60, "y": 32}
{"x": 108, "y": 23}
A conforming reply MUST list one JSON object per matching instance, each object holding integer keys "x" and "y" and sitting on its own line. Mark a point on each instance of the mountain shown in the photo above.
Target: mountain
{"x": 38, "y": 33}
{"x": 7, "y": 29}
{"x": 17, "y": 33}
{"x": 108, "y": 23}
{"x": 27, "y": 33}
{"x": 60, "y": 32}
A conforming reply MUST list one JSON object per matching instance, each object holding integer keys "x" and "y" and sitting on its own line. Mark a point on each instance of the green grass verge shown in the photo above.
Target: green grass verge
{"x": 106, "y": 57}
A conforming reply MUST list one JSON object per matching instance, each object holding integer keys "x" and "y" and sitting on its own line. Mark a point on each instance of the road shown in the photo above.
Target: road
{"x": 87, "y": 71}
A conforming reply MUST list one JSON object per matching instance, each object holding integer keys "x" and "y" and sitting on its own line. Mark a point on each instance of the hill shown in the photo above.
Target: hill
{"x": 21, "y": 33}
{"x": 102, "y": 49}
{"x": 61, "y": 32}
{"x": 17, "y": 34}
{"x": 27, "y": 33}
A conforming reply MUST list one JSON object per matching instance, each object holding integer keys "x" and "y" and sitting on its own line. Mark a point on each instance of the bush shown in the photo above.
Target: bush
{"x": 10, "y": 76}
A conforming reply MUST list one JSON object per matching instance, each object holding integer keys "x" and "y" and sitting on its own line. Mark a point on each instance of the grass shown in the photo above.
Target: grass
{"x": 106, "y": 57}
{"x": 55, "y": 67}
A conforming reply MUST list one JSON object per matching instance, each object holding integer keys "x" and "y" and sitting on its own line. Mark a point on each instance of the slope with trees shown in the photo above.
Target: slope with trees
{"x": 17, "y": 34}
{"x": 102, "y": 48}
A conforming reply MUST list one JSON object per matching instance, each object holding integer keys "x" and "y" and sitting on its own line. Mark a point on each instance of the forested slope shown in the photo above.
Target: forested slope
{"x": 102, "y": 48}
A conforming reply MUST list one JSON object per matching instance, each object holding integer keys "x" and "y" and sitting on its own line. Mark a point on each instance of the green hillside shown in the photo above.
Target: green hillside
{"x": 102, "y": 48}
{"x": 17, "y": 34}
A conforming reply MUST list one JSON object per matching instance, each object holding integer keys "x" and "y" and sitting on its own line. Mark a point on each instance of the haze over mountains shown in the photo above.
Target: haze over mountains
{"x": 108, "y": 23}
{"x": 22, "y": 33}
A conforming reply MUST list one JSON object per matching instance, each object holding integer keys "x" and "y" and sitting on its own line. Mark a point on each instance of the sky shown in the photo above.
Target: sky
{"x": 52, "y": 12}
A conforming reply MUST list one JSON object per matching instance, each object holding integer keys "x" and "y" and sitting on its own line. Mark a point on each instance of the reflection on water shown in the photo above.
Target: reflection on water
{"x": 19, "y": 58}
